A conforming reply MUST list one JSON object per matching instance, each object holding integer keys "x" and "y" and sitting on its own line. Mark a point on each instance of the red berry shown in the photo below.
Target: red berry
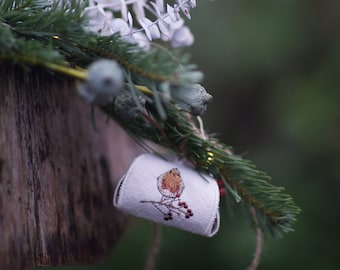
{"x": 222, "y": 192}
{"x": 220, "y": 183}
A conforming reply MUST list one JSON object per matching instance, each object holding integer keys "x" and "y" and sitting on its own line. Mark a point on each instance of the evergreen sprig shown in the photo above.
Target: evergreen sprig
{"x": 276, "y": 211}
{"x": 156, "y": 65}
{"x": 61, "y": 29}
{"x": 54, "y": 36}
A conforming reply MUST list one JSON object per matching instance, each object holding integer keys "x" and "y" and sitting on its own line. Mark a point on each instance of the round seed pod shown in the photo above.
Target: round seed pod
{"x": 193, "y": 99}
{"x": 104, "y": 82}
{"x": 127, "y": 108}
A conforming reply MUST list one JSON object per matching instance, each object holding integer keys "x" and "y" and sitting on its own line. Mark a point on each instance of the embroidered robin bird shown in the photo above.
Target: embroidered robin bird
{"x": 170, "y": 184}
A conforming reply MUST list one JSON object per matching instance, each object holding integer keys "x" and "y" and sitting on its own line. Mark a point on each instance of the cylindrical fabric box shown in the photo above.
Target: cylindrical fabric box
{"x": 170, "y": 193}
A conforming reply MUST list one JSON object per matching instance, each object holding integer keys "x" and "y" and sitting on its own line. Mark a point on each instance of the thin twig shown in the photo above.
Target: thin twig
{"x": 155, "y": 247}
{"x": 259, "y": 243}
{"x": 78, "y": 73}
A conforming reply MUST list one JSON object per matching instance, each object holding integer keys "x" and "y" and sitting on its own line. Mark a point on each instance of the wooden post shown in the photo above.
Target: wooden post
{"x": 57, "y": 174}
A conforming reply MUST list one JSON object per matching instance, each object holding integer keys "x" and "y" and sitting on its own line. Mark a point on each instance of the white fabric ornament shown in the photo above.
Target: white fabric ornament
{"x": 170, "y": 193}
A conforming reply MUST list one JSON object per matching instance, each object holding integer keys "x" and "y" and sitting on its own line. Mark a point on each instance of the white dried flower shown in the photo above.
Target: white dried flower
{"x": 128, "y": 18}
{"x": 182, "y": 37}
{"x": 104, "y": 82}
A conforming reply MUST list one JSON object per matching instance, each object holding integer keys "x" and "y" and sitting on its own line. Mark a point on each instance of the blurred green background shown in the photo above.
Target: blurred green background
{"x": 273, "y": 67}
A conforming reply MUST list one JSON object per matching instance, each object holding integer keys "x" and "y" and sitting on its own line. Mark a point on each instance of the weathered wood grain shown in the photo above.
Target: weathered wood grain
{"x": 57, "y": 174}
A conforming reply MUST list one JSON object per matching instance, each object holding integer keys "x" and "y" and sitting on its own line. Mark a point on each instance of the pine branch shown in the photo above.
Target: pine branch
{"x": 161, "y": 85}
{"x": 61, "y": 27}
{"x": 46, "y": 35}
{"x": 156, "y": 65}
{"x": 276, "y": 211}
{"x": 57, "y": 28}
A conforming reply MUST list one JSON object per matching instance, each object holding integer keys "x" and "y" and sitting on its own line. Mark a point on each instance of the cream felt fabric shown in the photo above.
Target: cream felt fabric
{"x": 170, "y": 193}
